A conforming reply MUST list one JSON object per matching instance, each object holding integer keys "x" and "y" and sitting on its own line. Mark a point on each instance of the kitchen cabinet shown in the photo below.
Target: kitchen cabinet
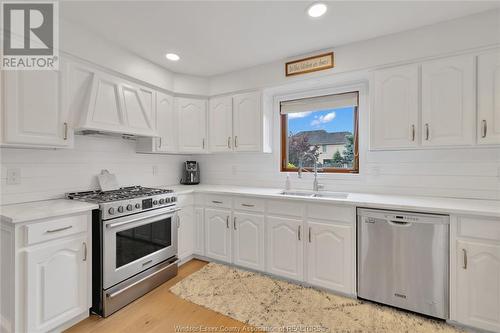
{"x": 247, "y": 123}
{"x": 56, "y": 283}
{"x": 192, "y": 125}
{"x": 220, "y": 126}
{"x": 218, "y": 234}
{"x": 166, "y": 121}
{"x": 477, "y": 271}
{"x": 248, "y": 240}
{"x": 488, "y": 99}
{"x": 35, "y": 112}
{"x": 394, "y": 113}
{"x": 448, "y": 102}
{"x": 199, "y": 231}
{"x": 285, "y": 255}
{"x": 330, "y": 258}
{"x": 185, "y": 234}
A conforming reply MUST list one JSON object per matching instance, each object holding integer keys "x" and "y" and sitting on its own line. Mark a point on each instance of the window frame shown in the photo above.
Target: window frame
{"x": 284, "y": 137}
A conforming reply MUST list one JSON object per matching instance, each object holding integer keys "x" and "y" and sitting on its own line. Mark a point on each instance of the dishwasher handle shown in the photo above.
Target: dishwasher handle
{"x": 399, "y": 223}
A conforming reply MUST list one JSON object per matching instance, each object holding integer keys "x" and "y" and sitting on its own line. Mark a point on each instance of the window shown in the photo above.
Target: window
{"x": 322, "y": 129}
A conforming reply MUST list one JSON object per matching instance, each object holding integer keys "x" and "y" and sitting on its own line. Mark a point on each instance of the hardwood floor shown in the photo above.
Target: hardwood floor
{"x": 161, "y": 311}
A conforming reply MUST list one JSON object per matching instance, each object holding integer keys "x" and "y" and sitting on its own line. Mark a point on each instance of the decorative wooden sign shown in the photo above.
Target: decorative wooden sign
{"x": 310, "y": 64}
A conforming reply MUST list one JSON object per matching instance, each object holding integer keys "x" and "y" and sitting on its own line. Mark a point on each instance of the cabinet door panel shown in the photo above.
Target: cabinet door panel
{"x": 249, "y": 240}
{"x": 139, "y": 109}
{"x": 35, "y": 111}
{"x": 199, "y": 231}
{"x": 330, "y": 258}
{"x": 478, "y": 285}
{"x": 165, "y": 123}
{"x": 105, "y": 108}
{"x": 220, "y": 126}
{"x": 247, "y": 121}
{"x": 186, "y": 232}
{"x": 285, "y": 255}
{"x": 394, "y": 114}
{"x": 448, "y": 106}
{"x": 218, "y": 234}
{"x": 488, "y": 101}
{"x": 57, "y": 284}
{"x": 192, "y": 124}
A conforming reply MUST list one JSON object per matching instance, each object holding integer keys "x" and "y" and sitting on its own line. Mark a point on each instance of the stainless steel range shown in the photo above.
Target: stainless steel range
{"x": 134, "y": 243}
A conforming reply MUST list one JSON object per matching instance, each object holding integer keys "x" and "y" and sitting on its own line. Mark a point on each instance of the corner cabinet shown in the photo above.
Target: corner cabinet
{"x": 34, "y": 108}
{"x": 192, "y": 124}
{"x": 46, "y": 273}
{"x": 488, "y": 99}
{"x": 475, "y": 272}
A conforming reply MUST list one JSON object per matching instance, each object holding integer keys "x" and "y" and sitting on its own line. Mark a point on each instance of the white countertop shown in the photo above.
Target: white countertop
{"x": 29, "y": 211}
{"x": 399, "y": 202}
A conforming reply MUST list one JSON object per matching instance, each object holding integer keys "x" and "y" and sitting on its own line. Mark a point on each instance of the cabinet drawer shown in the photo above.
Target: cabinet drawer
{"x": 213, "y": 200}
{"x": 250, "y": 204}
{"x": 479, "y": 227}
{"x": 185, "y": 200}
{"x": 55, "y": 228}
{"x": 331, "y": 212}
{"x": 285, "y": 207}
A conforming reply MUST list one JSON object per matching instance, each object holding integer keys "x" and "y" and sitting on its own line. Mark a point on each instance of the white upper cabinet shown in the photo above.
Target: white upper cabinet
{"x": 220, "y": 117}
{"x": 394, "y": 112}
{"x": 192, "y": 125}
{"x": 247, "y": 122}
{"x": 35, "y": 111}
{"x": 488, "y": 99}
{"x": 448, "y": 102}
{"x": 107, "y": 103}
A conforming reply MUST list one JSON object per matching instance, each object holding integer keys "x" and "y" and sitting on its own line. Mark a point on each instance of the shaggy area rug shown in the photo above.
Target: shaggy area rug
{"x": 274, "y": 305}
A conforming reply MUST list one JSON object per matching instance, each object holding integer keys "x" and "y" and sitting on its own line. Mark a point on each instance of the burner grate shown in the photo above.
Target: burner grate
{"x": 123, "y": 193}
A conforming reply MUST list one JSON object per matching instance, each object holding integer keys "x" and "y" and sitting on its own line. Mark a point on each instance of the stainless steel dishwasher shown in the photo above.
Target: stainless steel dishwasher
{"x": 403, "y": 260}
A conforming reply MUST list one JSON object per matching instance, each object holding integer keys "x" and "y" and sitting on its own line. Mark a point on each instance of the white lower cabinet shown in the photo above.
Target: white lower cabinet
{"x": 199, "y": 231}
{"x": 56, "y": 283}
{"x": 285, "y": 255}
{"x": 218, "y": 234}
{"x": 185, "y": 235}
{"x": 248, "y": 240}
{"x": 478, "y": 284}
{"x": 330, "y": 257}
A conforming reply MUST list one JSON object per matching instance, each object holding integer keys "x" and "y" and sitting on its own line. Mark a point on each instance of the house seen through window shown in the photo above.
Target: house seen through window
{"x": 320, "y": 130}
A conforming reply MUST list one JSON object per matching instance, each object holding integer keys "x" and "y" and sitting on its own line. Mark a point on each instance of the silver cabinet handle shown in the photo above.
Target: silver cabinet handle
{"x": 236, "y": 141}
{"x": 247, "y": 205}
{"x": 159, "y": 145}
{"x": 59, "y": 229}
{"x": 227, "y": 222}
{"x": 427, "y": 132}
{"x": 84, "y": 251}
{"x": 298, "y": 232}
{"x": 229, "y": 142}
{"x": 203, "y": 143}
{"x": 309, "y": 234}
{"x": 216, "y": 202}
{"x": 484, "y": 128}
{"x": 65, "y": 137}
{"x": 465, "y": 259}
{"x": 413, "y": 132}
{"x": 234, "y": 223}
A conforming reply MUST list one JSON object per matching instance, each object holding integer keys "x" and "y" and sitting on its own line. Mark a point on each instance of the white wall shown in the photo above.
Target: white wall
{"x": 47, "y": 174}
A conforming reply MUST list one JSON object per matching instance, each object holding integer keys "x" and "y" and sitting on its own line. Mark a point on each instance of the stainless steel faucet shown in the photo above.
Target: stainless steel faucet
{"x": 316, "y": 186}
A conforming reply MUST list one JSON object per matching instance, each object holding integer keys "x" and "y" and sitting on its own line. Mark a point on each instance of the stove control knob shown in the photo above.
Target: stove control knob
{"x": 130, "y": 207}
{"x": 174, "y": 199}
{"x": 137, "y": 205}
{"x": 111, "y": 211}
{"x": 162, "y": 201}
{"x": 155, "y": 202}
{"x": 167, "y": 200}
{"x": 120, "y": 209}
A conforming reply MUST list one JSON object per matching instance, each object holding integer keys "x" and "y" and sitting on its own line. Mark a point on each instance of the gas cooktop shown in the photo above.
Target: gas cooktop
{"x": 123, "y": 193}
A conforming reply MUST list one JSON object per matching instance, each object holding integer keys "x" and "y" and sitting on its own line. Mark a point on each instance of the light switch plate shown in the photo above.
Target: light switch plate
{"x": 13, "y": 176}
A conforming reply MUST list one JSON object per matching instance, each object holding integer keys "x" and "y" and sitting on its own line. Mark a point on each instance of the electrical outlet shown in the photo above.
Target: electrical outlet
{"x": 155, "y": 170}
{"x": 13, "y": 176}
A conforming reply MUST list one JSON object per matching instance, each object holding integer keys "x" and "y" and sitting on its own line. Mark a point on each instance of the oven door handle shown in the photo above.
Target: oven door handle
{"x": 117, "y": 224}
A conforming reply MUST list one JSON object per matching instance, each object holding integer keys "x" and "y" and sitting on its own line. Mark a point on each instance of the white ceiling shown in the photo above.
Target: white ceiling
{"x": 214, "y": 37}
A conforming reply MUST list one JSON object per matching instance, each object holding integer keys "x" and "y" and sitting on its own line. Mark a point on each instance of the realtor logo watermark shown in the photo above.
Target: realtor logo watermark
{"x": 30, "y": 36}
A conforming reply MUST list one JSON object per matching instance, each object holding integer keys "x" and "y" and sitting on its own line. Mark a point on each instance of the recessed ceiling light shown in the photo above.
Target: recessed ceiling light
{"x": 317, "y": 9}
{"x": 172, "y": 56}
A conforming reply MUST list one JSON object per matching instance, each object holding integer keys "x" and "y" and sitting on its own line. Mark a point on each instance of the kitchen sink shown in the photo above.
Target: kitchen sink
{"x": 311, "y": 194}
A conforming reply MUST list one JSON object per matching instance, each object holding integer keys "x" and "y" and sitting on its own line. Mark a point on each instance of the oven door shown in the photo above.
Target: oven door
{"x": 132, "y": 244}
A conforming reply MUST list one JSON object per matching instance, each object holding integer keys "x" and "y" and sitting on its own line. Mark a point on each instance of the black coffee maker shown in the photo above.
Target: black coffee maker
{"x": 190, "y": 173}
